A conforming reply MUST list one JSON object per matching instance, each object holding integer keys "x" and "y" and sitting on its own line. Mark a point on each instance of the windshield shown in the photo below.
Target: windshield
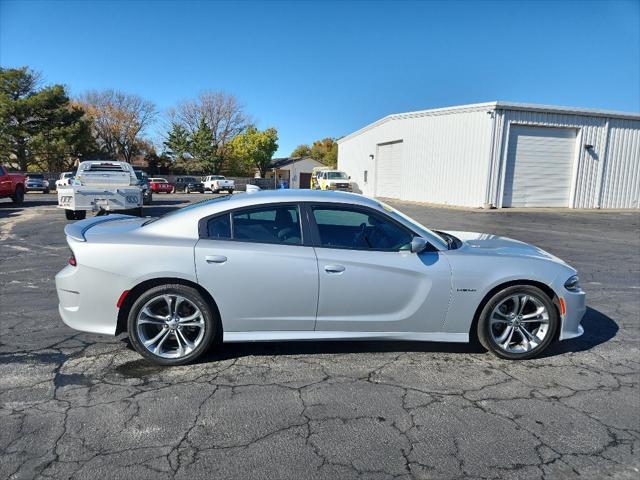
{"x": 418, "y": 226}
{"x": 337, "y": 176}
{"x": 35, "y": 176}
{"x": 217, "y": 177}
{"x": 189, "y": 180}
{"x": 67, "y": 175}
{"x": 140, "y": 174}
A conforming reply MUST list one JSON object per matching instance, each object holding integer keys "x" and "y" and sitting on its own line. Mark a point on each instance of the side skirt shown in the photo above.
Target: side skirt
{"x": 279, "y": 336}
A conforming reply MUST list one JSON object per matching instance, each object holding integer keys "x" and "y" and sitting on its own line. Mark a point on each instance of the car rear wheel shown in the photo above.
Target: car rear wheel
{"x": 171, "y": 325}
{"x": 518, "y": 323}
{"x": 18, "y": 195}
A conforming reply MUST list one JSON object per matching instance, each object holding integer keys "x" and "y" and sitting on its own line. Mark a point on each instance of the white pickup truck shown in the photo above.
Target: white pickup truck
{"x": 101, "y": 186}
{"x": 217, "y": 183}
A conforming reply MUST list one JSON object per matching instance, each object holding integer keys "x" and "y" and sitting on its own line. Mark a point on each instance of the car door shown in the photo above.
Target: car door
{"x": 256, "y": 266}
{"x": 370, "y": 281}
{"x": 5, "y": 182}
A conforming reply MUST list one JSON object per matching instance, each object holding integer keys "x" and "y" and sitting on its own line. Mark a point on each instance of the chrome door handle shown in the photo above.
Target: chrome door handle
{"x": 215, "y": 258}
{"x": 334, "y": 268}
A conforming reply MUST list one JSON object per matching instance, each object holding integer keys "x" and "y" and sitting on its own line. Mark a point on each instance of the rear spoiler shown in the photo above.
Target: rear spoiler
{"x": 76, "y": 230}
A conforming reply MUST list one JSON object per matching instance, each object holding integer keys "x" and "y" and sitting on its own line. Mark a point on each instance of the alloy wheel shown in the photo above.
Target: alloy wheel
{"x": 519, "y": 323}
{"x": 170, "y": 326}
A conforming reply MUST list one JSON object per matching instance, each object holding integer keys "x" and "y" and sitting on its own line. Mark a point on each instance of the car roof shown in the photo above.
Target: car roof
{"x": 188, "y": 216}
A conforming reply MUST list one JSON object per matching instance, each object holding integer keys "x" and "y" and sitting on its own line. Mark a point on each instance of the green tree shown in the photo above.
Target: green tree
{"x": 301, "y": 151}
{"x": 254, "y": 148}
{"x": 204, "y": 150}
{"x": 39, "y": 127}
{"x": 178, "y": 143}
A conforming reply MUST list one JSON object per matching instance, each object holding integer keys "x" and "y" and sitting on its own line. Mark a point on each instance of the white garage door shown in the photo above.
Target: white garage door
{"x": 389, "y": 170}
{"x": 539, "y": 167}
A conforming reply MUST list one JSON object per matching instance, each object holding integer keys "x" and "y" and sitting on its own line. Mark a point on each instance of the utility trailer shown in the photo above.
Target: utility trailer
{"x": 101, "y": 186}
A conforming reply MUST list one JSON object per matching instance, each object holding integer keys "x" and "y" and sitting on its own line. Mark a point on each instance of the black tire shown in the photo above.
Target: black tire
{"x": 211, "y": 323}
{"x": 18, "y": 195}
{"x": 215, "y": 191}
{"x": 230, "y": 192}
{"x": 486, "y": 337}
{"x": 46, "y": 191}
{"x": 75, "y": 214}
{"x": 187, "y": 190}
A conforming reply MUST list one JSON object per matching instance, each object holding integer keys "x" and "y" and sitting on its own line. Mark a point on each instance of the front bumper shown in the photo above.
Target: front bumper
{"x": 575, "y": 308}
{"x": 35, "y": 188}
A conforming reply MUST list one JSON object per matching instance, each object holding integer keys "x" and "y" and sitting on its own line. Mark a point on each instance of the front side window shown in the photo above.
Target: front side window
{"x": 342, "y": 227}
{"x": 273, "y": 224}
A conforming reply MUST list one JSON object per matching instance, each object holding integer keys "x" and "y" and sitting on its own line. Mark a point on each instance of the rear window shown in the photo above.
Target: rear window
{"x": 104, "y": 167}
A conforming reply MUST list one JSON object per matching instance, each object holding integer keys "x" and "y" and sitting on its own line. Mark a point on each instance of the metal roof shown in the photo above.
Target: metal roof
{"x": 496, "y": 105}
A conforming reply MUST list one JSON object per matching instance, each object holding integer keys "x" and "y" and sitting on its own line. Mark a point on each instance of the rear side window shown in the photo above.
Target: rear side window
{"x": 219, "y": 227}
{"x": 273, "y": 224}
{"x": 343, "y": 227}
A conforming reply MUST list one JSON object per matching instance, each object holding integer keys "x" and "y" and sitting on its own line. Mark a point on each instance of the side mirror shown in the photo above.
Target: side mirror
{"x": 418, "y": 244}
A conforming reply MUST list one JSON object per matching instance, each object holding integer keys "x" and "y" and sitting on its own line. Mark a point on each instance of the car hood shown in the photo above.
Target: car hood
{"x": 486, "y": 243}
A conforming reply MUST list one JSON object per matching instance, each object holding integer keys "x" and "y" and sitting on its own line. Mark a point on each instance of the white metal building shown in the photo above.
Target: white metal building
{"x": 499, "y": 154}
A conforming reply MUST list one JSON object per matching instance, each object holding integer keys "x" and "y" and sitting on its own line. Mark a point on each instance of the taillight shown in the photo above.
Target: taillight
{"x": 72, "y": 260}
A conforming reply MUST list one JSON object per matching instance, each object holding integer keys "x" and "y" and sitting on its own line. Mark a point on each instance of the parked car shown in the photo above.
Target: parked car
{"x": 64, "y": 180}
{"x": 189, "y": 185}
{"x": 218, "y": 183}
{"x": 143, "y": 183}
{"x": 313, "y": 266}
{"x": 35, "y": 182}
{"x": 161, "y": 185}
{"x": 11, "y": 185}
{"x": 333, "y": 180}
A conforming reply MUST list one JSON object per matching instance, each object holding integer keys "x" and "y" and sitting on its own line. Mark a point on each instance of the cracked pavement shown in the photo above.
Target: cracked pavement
{"x": 76, "y": 405}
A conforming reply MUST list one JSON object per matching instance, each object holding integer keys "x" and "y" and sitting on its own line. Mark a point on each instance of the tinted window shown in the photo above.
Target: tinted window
{"x": 274, "y": 224}
{"x": 360, "y": 229}
{"x": 219, "y": 227}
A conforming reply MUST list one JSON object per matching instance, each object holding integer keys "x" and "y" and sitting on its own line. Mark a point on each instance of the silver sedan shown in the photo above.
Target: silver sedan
{"x": 306, "y": 265}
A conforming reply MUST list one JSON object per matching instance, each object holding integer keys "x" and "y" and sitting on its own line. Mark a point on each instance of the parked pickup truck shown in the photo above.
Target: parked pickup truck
{"x": 11, "y": 186}
{"x": 101, "y": 186}
{"x": 217, "y": 183}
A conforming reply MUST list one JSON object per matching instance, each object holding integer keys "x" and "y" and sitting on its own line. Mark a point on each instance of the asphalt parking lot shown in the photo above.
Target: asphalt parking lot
{"x": 76, "y": 405}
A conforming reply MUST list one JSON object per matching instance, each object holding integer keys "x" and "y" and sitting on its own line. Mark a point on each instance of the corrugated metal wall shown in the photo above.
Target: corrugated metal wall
{"x": 621, "y": 185}
{"x": 452, "y": 158}
{"x": 445, "y": 157}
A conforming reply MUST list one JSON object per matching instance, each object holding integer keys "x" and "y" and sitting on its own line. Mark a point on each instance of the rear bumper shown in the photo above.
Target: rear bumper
{"x": 88, "y": 299}
{"x": 575, "y": 308}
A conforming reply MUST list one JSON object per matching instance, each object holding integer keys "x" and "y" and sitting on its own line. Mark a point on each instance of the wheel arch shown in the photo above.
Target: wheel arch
{"x": 551, "y": 294}
{"x": 140, "y": 288}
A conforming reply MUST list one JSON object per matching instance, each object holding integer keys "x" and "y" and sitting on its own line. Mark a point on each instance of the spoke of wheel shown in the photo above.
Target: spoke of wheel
{"x": 499, "y": 320}
{"x": 523, "y": 302}
{"x": 190, "y": 345}
{"x": 159, "y": 318}
{"x": 180, "y": 346}
{"x": 505, "y": 345}
{"x": 527, "y": 334}
{"x": 524, "y": 339}
{"x": 516, "y": 304}
{"x": 159, "y": 338}
{"x": 192, "y": 324}
{"x": 508, "y": 330}
{"x": 169, "y": 299}
{"x": 533, "y": 316}
{"x": 193, "y": 316}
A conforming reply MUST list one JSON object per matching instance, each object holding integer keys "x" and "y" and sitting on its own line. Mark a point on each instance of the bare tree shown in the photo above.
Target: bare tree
{"x": 118, "y": 121}
{"x": 223, "y": 113}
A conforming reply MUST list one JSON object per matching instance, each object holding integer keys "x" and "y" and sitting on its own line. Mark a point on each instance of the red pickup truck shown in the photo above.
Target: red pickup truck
{"x": 11, "y": 185}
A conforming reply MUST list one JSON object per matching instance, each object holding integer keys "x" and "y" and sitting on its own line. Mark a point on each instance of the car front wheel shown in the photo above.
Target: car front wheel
{"x": 518, "y": 322}
{"x": 171, "y": 324}
{"x": 18, "y": 195}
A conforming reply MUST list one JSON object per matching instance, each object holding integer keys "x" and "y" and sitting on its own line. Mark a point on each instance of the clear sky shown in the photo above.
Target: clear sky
{"x": 316, "y": 69}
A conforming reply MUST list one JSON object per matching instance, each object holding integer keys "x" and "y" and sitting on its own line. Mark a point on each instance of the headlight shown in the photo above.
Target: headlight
{"x": 573, "y": 284}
